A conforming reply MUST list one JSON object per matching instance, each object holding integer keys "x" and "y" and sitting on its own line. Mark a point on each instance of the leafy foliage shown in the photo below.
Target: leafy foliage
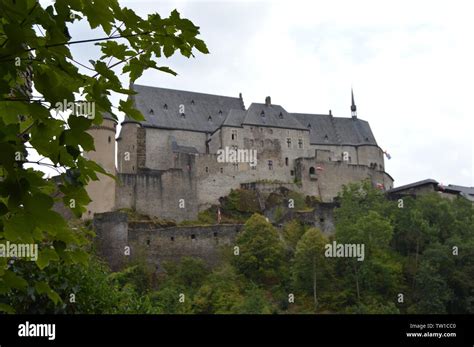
{"x": 35, "y": 52}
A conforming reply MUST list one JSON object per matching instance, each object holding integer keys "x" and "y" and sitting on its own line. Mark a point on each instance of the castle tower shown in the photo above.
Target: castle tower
{"x": 102, "y": 192}
{"x": 353, "y": 106}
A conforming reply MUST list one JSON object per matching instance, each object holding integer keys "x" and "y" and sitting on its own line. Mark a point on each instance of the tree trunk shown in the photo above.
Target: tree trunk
{"x": 357, "y": 282}
{"x": 315, "y": 288}
{"x": 416, "y": 262}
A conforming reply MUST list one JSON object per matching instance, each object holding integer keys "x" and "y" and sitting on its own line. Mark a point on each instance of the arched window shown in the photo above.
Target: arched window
{"x": 312, "y": 171}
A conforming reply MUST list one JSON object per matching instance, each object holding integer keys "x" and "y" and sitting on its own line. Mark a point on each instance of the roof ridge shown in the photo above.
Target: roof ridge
{"x": 186, "y": 91}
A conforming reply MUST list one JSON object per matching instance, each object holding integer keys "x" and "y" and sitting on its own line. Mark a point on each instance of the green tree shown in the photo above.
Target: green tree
{"x": 261, "y": 253}
{"x": 35, "y": 50}
{"x": 379, "y": 271}
{"x": 292, "y": 233}
{"x": 310, "y": 263}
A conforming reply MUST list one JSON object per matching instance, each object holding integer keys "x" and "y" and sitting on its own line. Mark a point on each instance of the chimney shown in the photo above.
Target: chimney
{"x": 268, "y": 101}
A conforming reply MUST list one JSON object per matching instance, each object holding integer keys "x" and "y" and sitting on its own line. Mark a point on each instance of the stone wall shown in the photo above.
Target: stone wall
{"x": 169, "y": 194}
{"x": 155, "y": 245}
{"x": 329, "y": 177}
{"x": 111, "y": 237}
{"x": 158, "y": 245}
{"x": 102, "y": 192}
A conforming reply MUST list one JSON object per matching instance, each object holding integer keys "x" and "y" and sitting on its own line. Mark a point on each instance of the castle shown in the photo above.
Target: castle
{"x": 170, "y": 165}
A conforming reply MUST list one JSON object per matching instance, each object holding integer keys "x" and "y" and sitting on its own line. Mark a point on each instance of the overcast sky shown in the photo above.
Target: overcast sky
{"x": 410, "y": 64}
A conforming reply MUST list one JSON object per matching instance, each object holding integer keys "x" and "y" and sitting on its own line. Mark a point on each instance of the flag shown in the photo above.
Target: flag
{"x": 380, "y": 186}
{"x": 440, "y": 186}
{"x": 219, "y": 215}
{"x": 388, "y": 155}
{"x": 319, "y": 168}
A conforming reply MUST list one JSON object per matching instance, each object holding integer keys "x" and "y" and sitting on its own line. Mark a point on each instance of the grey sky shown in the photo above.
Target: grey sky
{"x": 410, "y": 63}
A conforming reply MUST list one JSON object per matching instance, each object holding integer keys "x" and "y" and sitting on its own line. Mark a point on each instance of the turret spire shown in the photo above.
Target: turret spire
{"x": 353, "y": 106}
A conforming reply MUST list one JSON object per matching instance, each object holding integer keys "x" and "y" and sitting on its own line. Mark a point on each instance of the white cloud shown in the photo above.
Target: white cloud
{"x": 411, "y": 65}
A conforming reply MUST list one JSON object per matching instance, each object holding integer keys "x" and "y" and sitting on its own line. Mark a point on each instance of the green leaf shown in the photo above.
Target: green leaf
{"x": 45, "y": 257}
{"x": 44, "y": 288}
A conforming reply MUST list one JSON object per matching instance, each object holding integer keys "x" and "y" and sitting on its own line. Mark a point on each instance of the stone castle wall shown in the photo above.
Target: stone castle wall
{"x": 156, "y": 245}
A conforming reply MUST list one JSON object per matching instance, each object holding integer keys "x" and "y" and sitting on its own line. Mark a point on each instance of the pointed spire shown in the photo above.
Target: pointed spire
{"x": 353, "y": 106}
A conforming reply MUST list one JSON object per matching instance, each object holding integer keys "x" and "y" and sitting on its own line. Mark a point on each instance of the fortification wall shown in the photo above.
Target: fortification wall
{"x": 167, "y": 194}
{"x": 159, "y": 154}
{"x": 326, "y": 182}
{"x": 144, "y": 240}
{"x": 158, "y": 245}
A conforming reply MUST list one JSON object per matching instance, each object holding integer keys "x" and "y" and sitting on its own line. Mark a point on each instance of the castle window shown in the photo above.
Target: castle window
{"x": 222, "y": 170}
{"x": 234, "y": 135}
{"x": 207, "y": 169}
{"x": 292, "y": 172}
{"x": 300, "y": 143}
{"x": 147, "y": 242}
{"x": 110, "y": 139}
{"x": 270, "y": 165}
{"x": 288, "y": 142}
{"x": 172, "y": 238}
{"x": 270, "y": 131}
{"x": 321, "y": 220}
{"x": 312, "y": 171}
{"x": 286, "y": 161}
{"x": 215, "y": 234}
{"x": 165, "y": 106}
{"x": 193, "y": 237}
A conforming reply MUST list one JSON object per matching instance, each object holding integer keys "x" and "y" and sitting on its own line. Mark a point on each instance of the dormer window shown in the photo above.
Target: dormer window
{"x": 192, "y": 102}
{"x": 262, "y": 114}
{"x": 165, "y": 106}
{"x": 326, "y": 138}
{"x": 183, "y": 115}
{"x": 220, "y": 112}
{"x": 280, "y": 115}
{"x": 309, "y": 125}
{"x": 151, "y": 111}
{"x": 209, "y": 119}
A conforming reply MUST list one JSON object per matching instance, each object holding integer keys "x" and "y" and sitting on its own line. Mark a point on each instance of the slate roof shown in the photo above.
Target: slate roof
{"x": 467, "y": 192}
{"x": 428, "y": 181}
{"x": 202, "y": 112}
{"x": 207, "y": 113}
{"x": 235, "y": 118}
{"x": 326, "y": 129}
{"x": 271, "y": 116}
